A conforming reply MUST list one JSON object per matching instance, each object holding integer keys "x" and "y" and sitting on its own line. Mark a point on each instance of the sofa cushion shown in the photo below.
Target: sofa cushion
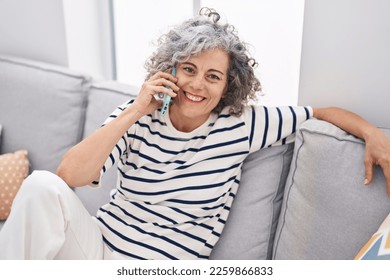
{"x": 103, "y": 99}
{"x": 328, "y": 212}
{"x": 14, "y": 168}
{"x": 250, "y": 229}
{"x": 42, "y": 109}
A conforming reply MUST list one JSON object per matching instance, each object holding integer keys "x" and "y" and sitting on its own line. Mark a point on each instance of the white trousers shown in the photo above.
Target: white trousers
{"x": 48, "y": 221}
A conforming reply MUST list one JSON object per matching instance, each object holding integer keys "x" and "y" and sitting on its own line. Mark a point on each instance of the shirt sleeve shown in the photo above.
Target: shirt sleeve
{"x": 120, "y": 151}
{"x": 273, "y": 126}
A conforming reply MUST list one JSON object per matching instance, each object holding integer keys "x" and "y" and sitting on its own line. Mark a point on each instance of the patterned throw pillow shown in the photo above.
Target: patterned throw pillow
{"x": 378, "y": 247}
{"x": 14, "y": 168}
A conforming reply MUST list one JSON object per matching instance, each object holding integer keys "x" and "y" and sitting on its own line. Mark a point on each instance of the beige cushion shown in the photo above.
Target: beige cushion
{"x": 14, "y": 168}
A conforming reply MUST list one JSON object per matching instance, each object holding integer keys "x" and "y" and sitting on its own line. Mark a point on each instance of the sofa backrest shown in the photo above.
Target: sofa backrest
{"x": 42, "y": 109}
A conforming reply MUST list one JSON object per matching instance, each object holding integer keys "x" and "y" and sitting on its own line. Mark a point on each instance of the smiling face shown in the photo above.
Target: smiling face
{"x": 202, "y": 80}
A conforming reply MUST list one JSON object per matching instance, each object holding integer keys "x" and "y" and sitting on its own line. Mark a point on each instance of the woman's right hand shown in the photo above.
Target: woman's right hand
{"x": 145, "y": 103}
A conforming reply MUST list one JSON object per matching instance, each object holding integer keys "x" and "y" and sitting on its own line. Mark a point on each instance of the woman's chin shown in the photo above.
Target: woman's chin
{"x": 192, "y": 113}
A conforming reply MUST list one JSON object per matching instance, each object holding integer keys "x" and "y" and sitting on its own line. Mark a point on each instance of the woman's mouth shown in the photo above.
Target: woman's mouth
{"x": 193, "y": 98}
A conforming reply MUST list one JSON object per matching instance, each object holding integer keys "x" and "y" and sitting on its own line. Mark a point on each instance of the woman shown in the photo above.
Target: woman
{"x": 178, "y": 172}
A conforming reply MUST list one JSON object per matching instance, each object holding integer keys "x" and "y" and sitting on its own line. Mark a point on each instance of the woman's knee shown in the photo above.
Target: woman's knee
{"x": 42, "y": 183}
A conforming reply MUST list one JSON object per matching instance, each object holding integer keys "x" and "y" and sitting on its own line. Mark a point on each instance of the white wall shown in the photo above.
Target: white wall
{"x": 88, "y": 37}
{"x": 345, "y": 57}
{"x": 33, "y": 29}
{"x": 69, "y": 33}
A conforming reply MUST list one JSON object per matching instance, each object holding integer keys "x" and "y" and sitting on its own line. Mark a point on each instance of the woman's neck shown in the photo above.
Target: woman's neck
{"x": 184, "y": 123}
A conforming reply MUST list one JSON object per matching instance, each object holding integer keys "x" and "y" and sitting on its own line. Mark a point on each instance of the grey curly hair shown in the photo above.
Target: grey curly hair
{"x": 201, "y": 33}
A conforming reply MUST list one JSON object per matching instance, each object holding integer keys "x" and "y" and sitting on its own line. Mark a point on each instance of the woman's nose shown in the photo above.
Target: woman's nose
{"x": 197, "y": 82}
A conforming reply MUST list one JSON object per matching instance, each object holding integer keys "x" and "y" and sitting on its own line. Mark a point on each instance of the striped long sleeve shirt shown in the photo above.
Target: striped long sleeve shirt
{"x": 175, "y": 189}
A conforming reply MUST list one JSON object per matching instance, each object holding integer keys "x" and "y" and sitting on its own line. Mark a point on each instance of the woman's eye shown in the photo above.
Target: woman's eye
{"x": 214, "y": 77}
{"x": 188, "y": 69}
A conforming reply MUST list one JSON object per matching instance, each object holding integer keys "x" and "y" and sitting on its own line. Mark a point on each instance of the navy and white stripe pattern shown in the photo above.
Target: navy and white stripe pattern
{"x": 175, "y": 189}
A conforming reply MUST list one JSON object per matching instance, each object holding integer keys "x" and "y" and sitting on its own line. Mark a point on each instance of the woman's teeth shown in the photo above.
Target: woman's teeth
{"x": 193, "y": 97}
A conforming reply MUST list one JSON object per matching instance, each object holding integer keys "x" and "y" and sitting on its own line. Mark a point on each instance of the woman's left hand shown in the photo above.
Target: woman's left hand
{"x": 377, "y": 153}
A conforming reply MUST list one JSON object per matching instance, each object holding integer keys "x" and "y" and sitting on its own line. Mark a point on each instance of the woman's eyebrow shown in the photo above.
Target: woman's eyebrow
{"x": 217, "y": 71}
{"x": 190, "y": 63}
{"x": 193, "y": 65}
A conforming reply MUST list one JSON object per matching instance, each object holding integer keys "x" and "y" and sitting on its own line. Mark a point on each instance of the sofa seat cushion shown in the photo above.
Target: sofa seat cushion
{"x": 328, "y": 212}
{"x": 42, "y": 109}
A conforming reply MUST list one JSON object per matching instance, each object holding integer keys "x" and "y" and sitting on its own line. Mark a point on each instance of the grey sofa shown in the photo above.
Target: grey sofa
{"x": 305, "y": 201}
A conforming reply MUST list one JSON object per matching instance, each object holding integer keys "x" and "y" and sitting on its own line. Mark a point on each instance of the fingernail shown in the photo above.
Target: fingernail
{"x": 366, "y": 181}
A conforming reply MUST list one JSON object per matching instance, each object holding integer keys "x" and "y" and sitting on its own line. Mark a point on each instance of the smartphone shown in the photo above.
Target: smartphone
{"x": 167, "y": 98}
